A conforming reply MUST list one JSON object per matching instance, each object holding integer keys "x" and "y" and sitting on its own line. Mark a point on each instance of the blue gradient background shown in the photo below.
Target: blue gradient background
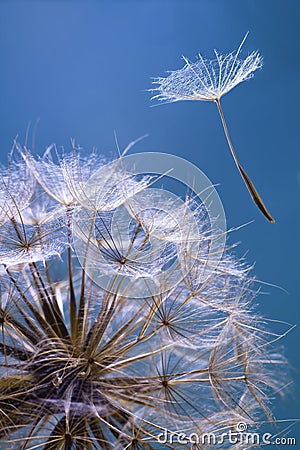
{"x": 83, "y": 68}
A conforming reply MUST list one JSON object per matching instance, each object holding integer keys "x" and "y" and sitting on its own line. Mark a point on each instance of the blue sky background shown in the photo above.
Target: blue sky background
{"x": 83, "y": 67}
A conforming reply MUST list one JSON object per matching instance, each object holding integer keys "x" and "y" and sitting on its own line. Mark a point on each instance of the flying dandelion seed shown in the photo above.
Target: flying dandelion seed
{"x": 83, "y": 368}
{"x": 209, "y": 80}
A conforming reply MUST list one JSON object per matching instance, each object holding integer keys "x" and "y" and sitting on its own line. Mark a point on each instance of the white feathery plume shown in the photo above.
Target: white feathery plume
{"x": 209, "y": 80}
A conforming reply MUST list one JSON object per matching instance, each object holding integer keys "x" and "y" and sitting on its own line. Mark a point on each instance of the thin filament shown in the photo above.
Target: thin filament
{"x": 250, "y": 186}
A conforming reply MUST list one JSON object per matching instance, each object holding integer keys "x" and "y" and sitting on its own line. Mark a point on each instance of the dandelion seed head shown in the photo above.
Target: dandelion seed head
{"x": 170, "y": 346}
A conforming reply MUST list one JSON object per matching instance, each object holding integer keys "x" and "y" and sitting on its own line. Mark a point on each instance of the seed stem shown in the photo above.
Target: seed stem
{"x": 250, "y": 186}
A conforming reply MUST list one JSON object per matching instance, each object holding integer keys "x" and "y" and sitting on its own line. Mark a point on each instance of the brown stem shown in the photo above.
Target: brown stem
{"x": 250, "y": 186}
